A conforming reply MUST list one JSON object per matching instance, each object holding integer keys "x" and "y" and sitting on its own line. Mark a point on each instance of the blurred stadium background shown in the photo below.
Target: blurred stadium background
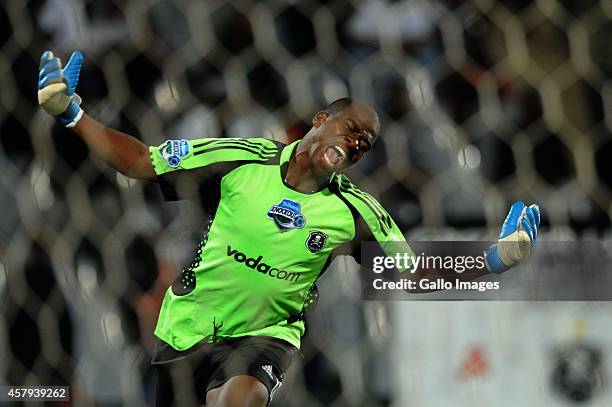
{"x": 482, "y": 102}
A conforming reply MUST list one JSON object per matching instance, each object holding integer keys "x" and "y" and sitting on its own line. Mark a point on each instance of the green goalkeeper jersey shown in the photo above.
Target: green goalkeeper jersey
{"x": 266, "y": 244}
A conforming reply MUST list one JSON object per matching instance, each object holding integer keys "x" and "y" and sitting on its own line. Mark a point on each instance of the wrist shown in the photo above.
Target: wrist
{"x": 493, "y": 260}
{"x": 71, "y": 115}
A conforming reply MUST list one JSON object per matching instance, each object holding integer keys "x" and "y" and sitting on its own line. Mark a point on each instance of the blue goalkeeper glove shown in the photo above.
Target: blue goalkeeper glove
{"x": 516, "y": 239}
{"x": 56, "y": 87}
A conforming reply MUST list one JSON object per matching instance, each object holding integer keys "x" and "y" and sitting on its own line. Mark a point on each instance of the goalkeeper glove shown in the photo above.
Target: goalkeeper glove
{"x": 516, "y": 239}
{"x": 56, "y": 87}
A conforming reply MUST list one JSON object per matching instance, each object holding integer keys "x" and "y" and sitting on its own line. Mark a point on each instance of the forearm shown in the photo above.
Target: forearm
{"x": 121, "y": 151}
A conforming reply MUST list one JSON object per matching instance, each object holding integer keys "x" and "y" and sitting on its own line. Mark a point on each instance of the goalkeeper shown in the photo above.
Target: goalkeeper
{"x": 280, "y": 214}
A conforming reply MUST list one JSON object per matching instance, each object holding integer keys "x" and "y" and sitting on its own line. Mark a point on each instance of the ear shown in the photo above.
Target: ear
{"x": 319, "y": 118}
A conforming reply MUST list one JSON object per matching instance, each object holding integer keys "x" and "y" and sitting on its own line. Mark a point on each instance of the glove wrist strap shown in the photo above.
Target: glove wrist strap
{"x": 493, "y": 261}
{"x": 71, "y": 116}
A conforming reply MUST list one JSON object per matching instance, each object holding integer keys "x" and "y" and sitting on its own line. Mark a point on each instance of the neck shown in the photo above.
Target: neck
{"x": 300, "y": 175}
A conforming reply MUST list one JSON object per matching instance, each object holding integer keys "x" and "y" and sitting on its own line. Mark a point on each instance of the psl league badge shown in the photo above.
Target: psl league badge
{"x": 287, "y": 215}
{"x": 173, "y": 150}
{"x": 578, "y": 374}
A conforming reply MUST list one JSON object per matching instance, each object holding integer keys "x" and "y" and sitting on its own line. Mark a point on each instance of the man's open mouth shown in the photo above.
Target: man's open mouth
{"x": 334, "y": 155}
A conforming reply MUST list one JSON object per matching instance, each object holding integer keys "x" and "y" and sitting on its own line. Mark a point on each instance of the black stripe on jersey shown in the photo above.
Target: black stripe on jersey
{"x": 381, "y": 211}
{"x": 385, "y": 216}
{"x": 256, "y": 148}
{"x": 383, "y": 226}
{"x": 235, "y": 139}
{"x": 262, "y": 154}
{"x": 245, "y": 142}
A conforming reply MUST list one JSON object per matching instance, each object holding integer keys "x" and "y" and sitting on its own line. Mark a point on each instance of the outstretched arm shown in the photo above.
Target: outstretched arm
{"x": 56, "y": 95}
{"x": 516, "y": 240}
{"x": 125, "y": 153}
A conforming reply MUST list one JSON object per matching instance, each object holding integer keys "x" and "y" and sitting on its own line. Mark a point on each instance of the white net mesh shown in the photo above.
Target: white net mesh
{"x": 481, "y": 103}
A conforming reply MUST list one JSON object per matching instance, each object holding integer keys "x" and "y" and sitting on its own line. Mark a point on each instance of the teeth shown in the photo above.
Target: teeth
{"x": 340, "y": 152}
{"x": 341, "y": 155}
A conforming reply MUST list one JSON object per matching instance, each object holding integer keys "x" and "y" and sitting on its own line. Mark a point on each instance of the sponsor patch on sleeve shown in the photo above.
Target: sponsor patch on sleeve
{"x": 173, "y": 151}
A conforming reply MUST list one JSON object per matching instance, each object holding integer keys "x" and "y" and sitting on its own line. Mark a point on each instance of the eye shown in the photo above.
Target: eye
{"x": 352, "y": 127}
{"x": 364, "y": 144}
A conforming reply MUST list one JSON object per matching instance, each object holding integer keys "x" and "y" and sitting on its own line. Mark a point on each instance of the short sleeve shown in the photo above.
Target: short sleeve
{"x": 372, "y": 222}
{"x": 184, "y": 166}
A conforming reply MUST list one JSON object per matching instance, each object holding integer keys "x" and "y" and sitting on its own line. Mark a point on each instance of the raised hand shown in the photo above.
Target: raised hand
{"x": 56, "y": 87}
{"x": 516, "y": 239}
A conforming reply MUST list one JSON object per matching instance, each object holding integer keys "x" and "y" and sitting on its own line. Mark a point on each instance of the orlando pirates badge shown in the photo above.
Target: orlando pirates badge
{"x": 316, "y": 241}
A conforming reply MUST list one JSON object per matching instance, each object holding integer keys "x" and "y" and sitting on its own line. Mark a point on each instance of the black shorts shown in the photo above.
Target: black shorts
{"x": 184, "y": 377}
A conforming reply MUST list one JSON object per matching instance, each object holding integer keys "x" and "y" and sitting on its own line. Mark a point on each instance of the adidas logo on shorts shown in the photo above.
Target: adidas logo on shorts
{"x": 268, "y": 370}
{"x": 277, "y": 382}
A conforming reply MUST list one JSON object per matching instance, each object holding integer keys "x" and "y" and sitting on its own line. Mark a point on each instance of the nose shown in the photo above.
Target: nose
{"x": 352, "y": 142}
{"x": 353, "y": 147}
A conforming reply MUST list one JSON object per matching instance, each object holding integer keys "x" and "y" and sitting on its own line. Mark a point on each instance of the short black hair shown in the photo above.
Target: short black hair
{"x": 338, "y": 105}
